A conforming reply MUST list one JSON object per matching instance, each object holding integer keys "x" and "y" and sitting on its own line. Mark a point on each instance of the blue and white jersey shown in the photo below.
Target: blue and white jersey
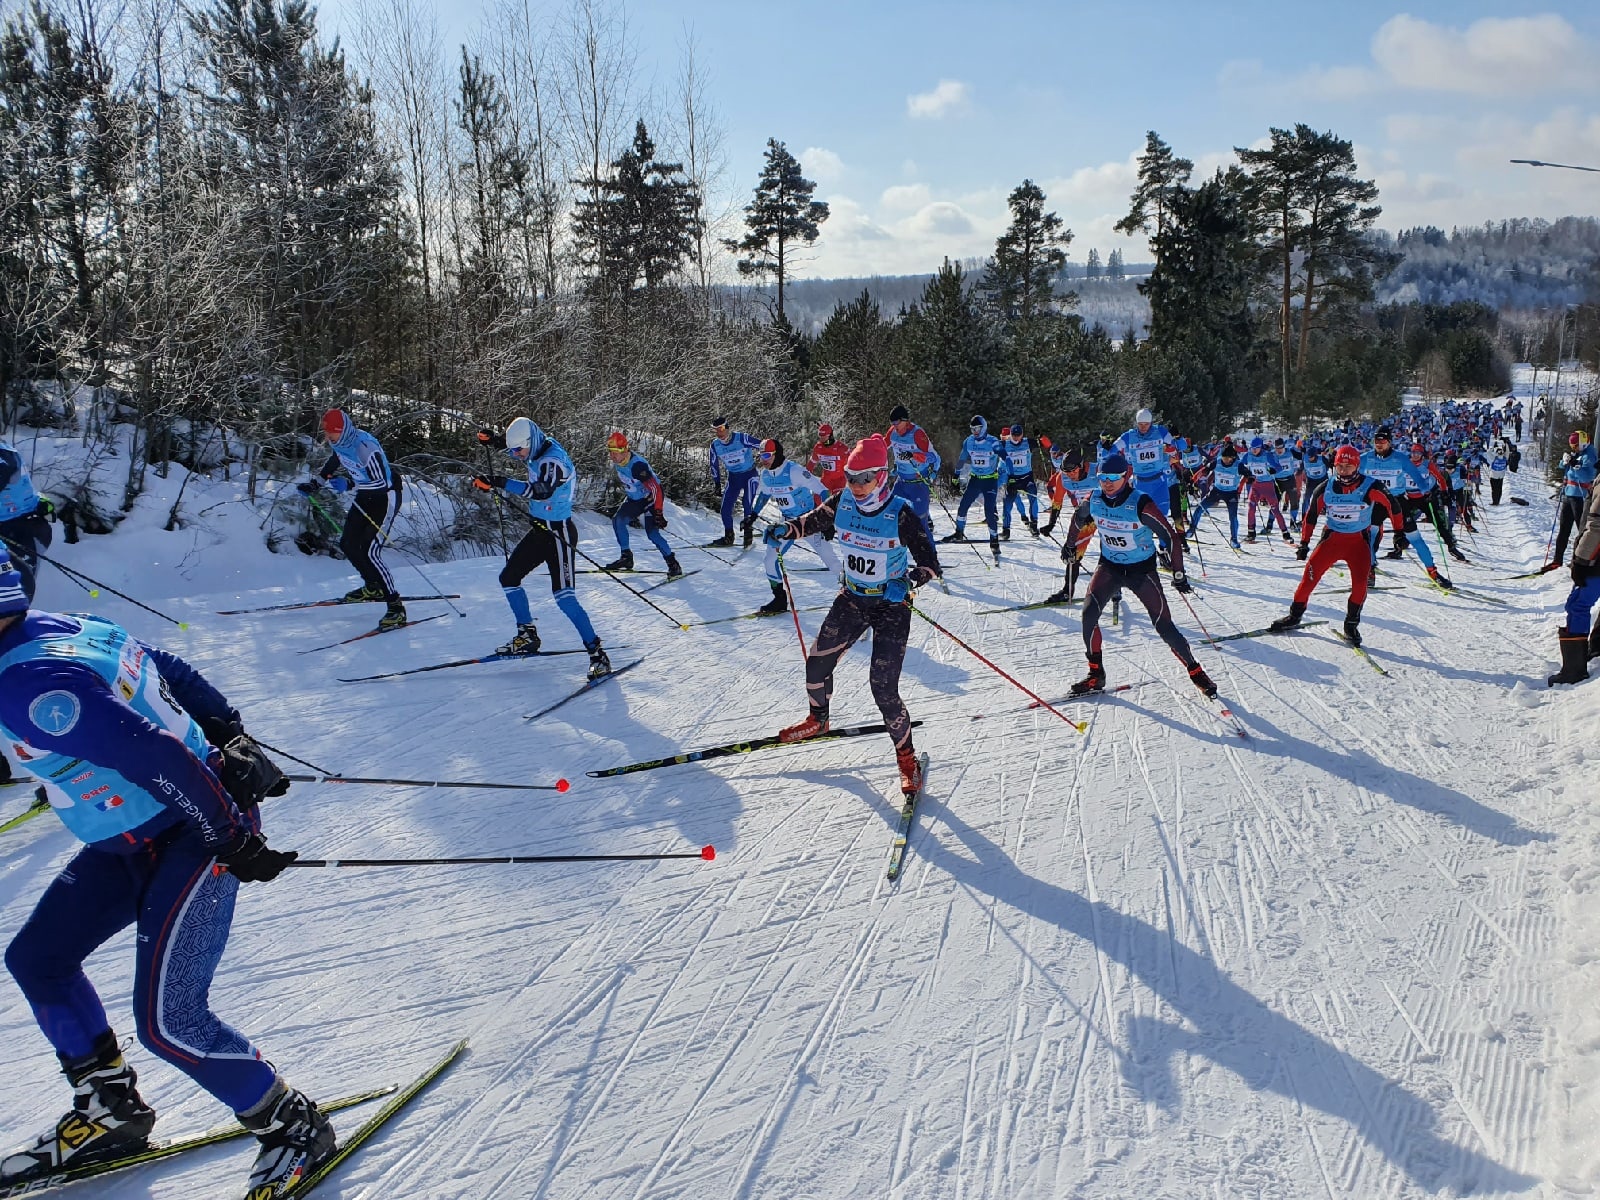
{"x": 553, "y": 475}
{"x": 17, "y": 496}
{"x": 1419, "y": 480}
{"x": 1146, "y": 451}
{"x": 1581, "y": 472}
{"x": 1225, "y": 478}
{"x": 1192, "y": 460}
{"x": 1287, "y": 467}
{"x": 983, "y": 455}
{"x": 1124, "y": 538}
{"x": 1499, "y": 462}
{"x": 1019, "y": 458}
{"x": 905, "y": 447}
{"x": 791, "y": 487}
{"x": 736, "y": 455}
{"x": 359, "y": 453}
{"x": 1316, "y": 467}
{"x": 1262, "y": 468}
{"x": 1348, "y": 506}
{"x": 633, "y": 487}
{"x": 875, "y": 559}
{"x": 85, "y": 707}
{"x": 1388, "y": 469}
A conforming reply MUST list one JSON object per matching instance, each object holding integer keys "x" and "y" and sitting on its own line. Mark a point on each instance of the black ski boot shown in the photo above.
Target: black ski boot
{"x": 1456, "y": 554}
{"x": 108, "y": 1118}
{"x": 779, "y": 602}
{"x": 1201, "y": 680}
{"x": 1574, "y": 658}
{"x": 1094, "y": 681}
{"x": 994, "y": 548}
{"x": 1005, "y": 534}
{"x": 1352, "y": 622}
{"x": 673, "y": 569}
{"x": 1399, "y": 547}
{"x": 749, "y": 531}
{"x": 525, "y": 642}
{"x": 394, "y": 616}
{"x": 362, "y": 595}
{"x": 725, "y": 540}
{"x": 1064, "y": 596}
{"x": 1049, "y": 526}
{"x": 295, "y": 1140}
{"x": 959, "y": 535}
{"x": 1296, "y": 611}
{"x": 624, "y": 562}
{"x": 599, "y": 663}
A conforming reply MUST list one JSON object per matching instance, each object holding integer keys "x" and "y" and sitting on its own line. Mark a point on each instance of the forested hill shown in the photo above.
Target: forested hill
{"x": 1521, "y": 263}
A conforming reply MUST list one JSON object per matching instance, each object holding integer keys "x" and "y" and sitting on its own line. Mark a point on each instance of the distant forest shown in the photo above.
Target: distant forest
{"x": 1520, "y": 264}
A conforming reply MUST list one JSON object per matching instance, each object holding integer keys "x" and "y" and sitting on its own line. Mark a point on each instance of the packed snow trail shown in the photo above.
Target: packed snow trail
{"x": 1344, "y": 958}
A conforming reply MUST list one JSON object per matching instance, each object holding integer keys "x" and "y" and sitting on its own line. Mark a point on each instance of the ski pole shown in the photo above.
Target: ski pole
{"x": 438, "y": 591}
{"x": 285, "y": 754}
{"x": 708, "y": 853}
{"x": 1080, "y": 726}
{"x": 1549, "y": 542}
{"x": 84, "y": 581}
{"x": 783, "y": 573}
{"x": 618, "y": 580}
{"x": 964, "y": 537}
{"x": 559, "y": 785}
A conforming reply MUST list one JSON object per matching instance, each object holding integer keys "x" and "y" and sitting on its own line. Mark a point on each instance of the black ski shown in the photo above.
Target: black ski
{"x": 589, "y": 685}
{"x": 157, "y": 1150}
{"x": 674, "y": 579}
{"x": 757, "y": 615}
{"x": 1263, "y": 632}
{"x": 239, "y": 612}
{"x": 380, "y": 1118}
{"x": 458, "y": 662}
{"x": 621, "y": 571}
{"x": 984, "y": 612}
{"x": 372, "y": 633}
{"x": 902, "y": 832}
{"x": 731, "y": 748}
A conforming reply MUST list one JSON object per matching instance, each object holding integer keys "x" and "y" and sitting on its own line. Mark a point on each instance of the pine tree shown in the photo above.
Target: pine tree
{"x": 1028, "y": 257}
{"x": 781, "y": 215}
{"x": 1114, "y": 271}
{"x": 1091, "y": 269}
{"x": 954, "y": 346}
{"x": 644, "y": 223}
{"x": 1160, "y": 173}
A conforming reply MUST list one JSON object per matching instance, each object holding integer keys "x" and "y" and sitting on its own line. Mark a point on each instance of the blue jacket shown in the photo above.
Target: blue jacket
{"x": 737, "y": 455}
{"x": 359, "y": 453}
{"x": 1146, "y": 451}
{"x": 17, "y": 495}
{"x": 983, "y": 455}
{"x": 552, "y": 483}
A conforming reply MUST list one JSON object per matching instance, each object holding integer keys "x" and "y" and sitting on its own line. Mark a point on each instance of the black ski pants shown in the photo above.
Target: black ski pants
{"x": 1571, "y": 516}
{"x": 362, "y": 542}
{"x": 1141, "y": 579}
{"x": 849, "y": 618}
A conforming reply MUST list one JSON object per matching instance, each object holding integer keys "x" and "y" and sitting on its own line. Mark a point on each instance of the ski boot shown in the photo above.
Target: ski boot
{"x": 394, "y": 616}
{"x": 1094, "y": 681}
{"x": 1250, "y": 537}
{"x": 749, "y": 528}
{"x": 1033, "y": 528}
{"x": 994, "y": 549}
{"x": 526, "y": 642}
{"x": 1049, "y": 527}
{"x": 1288, "y": 537}
{"x": 1352, "y": 623}
{"x": 1005, "y": 534}
{"x": 673, "y": 569}
{"x": 1296, "y": 611}
{"x": 624, "y": 562}
{"x": 1574, "y": 658}
{"x": 959, "y": 535}
{"x": 724, "y": 541}
{"x": 361, "y": 595}
{"x": 1442, "y": 580}
{"x": 108, "y": 1118}
{"x": 1457, "y": 555}
{"x": 599, "y": 664}
{"x": 910, "y": 770}
{"x": 1399, "y": 547}
{"x": 815, "y": 725}
{"x": 1235, "y": 544}
{"x": 1064, "y": 596}
{"x": 295, "y": 1140}
{"x": 1201, "y": 680}
{"x": 778, "y": 604}
{"x": 1164, "y": 557}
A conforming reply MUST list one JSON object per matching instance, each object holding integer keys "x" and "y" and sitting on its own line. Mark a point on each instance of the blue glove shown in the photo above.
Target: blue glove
{"x": 308, "y": 487}
{"x": 775, "y": 534}
{"x": 339, "y": 484}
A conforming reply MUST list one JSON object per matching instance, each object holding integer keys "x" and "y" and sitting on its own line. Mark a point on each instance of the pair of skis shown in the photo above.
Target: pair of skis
{"x": 399, "y": 1098}
{"x": 335, "y": 603}
{"x": 587, "y": 686}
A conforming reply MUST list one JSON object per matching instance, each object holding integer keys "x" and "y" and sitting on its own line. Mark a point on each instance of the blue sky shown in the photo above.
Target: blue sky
{"x": 916, "y": 119}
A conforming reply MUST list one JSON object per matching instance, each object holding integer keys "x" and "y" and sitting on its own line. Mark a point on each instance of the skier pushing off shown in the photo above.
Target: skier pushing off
{"x": 136, "y": 725}
{"x": 644, "y": 497}
{"x": 1129, "y": 521}
{"x": 1349, "y": 499}
{"x": 795, "y": 490}
{"x": 887, "y": 553}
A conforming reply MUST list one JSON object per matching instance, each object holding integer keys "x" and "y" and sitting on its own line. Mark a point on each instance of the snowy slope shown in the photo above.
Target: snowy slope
{"x": 1353, "y": 956}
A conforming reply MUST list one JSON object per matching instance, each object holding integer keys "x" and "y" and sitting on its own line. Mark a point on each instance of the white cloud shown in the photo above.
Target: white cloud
{"x": 941, "y": 219}
{"x": 948, "y": 96}
{"x": 824, "y": 166}
{"x": 1492, "y": 55}
{"x": 905, "y": 197}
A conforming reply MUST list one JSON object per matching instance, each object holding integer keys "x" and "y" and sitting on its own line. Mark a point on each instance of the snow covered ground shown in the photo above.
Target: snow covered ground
{"x": 1353, "y": 956}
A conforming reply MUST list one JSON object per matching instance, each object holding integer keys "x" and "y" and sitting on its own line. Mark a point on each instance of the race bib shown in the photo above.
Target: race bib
{"x": 866, "y": 568}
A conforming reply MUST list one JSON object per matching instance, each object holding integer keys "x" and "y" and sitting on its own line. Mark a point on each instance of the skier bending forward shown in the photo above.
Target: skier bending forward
{"x": 875, "y": 531}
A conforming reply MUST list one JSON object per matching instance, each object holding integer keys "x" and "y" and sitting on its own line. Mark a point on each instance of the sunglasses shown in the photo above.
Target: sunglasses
{"x": 861, "y": 478}
{"x": 764, "y": 455}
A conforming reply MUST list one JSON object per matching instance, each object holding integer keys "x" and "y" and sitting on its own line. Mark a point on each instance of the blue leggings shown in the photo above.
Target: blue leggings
{"x": 1231, "y": 499}
{"x": 979, "y": 487}
{"x": 182, "y": 911}
{"x": 634, "y": 508}
{"x": 916, "y": 494}
{"x": 740, "y": 484}
{"x": 1580, "y": 603}
{"x": 1015, "y": 489}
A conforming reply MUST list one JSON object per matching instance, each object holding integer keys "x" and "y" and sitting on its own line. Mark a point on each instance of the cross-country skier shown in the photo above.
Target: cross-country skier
{"x": 1579, "y": 467}
{"x": 643, "y": 497}
{"x": 1315, "y": 463}
{"x": 981, "y": 454}
{"x": 1580, "y": 638}
{"x": 887, "y": 553}
{"x": 826, "y": 460}
{"x": 735, "y": 453}
{"x": 1129, "y": 523}
{"x": 1350, "y": 501}
{"x": 373, "y": 478}
{"x": 1410, "y": 493}
{"x": 172, "y": 828}
{"x": 795, "y": 490}
{"x": 24, "y": 518}
{"x": 1018, "y": 453}
{"x": 1499, "y": 460}
{"x": 1261, "y": 466}
{"x": 1226, "y": 478}
{"x": 916, "y": 462}
{"x": 1146, "y": 446}
{"x": 553, "y": 540}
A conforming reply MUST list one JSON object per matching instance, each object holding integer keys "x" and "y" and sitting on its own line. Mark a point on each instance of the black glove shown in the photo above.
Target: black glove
{"x": 220, "y": 731}
{"x": 660, "y": 519}
{"x": 920, "y": 575}
{"x": 248, "y": 774}
{"x": 250, "y": 860}
{"x": 491, "y": 437}
{"x": 543, "y": 485}
{"x": 308, "y": 487}
{"x": 1302, "y": 551}
{"x": 488, "y": 483}
{"x": 1180, "y": 583}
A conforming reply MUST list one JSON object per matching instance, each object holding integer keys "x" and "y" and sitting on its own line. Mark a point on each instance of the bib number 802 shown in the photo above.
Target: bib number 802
{"x": 862, "y": 566}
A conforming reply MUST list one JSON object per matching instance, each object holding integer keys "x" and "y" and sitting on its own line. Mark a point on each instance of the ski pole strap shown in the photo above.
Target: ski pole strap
{"x": 1080, "y": 726}
{"x": 559, "y": 785}
{"x": 707, "y": 853}
{"x": 291, "y": 758}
